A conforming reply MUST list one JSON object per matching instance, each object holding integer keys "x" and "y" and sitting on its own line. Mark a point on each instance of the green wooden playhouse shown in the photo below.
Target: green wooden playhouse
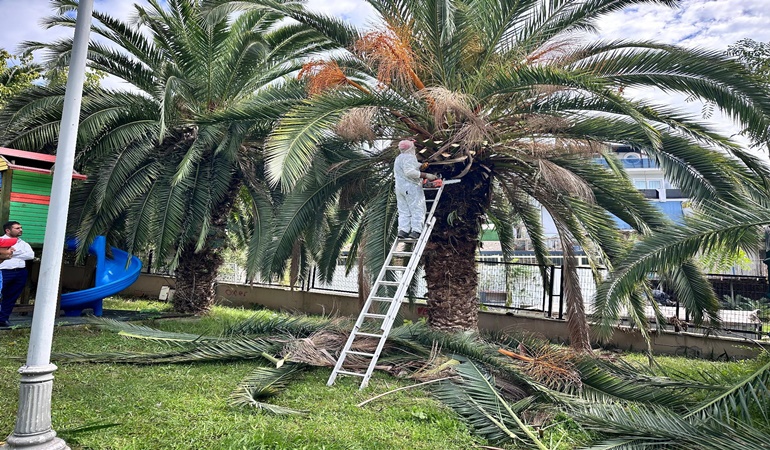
{"x": 25, "y": 191}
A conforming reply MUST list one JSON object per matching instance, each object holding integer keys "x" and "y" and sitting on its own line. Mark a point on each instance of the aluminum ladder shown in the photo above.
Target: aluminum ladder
{"x": 387, "y": 294}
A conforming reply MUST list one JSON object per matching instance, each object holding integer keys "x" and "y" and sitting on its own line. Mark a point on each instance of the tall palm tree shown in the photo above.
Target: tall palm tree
{"x": 515, "y": 99}
{"x": 169, "y": 154}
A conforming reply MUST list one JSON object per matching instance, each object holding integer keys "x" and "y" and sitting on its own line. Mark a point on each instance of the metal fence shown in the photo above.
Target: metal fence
{"x": 519, "y": 287}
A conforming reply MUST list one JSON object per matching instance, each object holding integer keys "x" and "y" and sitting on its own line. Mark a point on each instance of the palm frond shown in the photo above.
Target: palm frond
{"x": 266, "y": 382}
{"x": 478, "y": 403}
{"x": 144, "y": 332}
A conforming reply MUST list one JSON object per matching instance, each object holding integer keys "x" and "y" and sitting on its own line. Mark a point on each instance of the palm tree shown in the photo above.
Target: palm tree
{"x": 513, "y": 98}
{"x": 170, "y": 154}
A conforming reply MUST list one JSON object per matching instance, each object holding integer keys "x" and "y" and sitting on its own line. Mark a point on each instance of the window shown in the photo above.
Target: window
{"x": 648, "y": 184}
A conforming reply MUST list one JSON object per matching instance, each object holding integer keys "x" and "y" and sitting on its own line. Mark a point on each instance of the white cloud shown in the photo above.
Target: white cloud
{"x": 22, "y": 23}
{"x": 354, "y": 11}
{"x": 703, "y": 23}
{"x": 22, "y": 20}
{"x": 710, "y": 24}
{"x": 697, "y": 23}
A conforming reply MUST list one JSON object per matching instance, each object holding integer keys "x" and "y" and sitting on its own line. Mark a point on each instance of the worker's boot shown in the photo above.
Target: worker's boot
{"x": 402, "y": 234}
{"x": 414, "y": 235}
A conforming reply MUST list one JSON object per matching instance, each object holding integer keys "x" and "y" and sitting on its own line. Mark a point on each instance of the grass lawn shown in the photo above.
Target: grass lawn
{"x": 184, "y": 406}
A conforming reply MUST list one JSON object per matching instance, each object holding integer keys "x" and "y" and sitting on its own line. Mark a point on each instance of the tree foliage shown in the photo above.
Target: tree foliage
{"x": 754, "y": 55}
{"x": 171, "y": 154}
{"x": 519, "y": 101}
{"x": 16, "y": 74}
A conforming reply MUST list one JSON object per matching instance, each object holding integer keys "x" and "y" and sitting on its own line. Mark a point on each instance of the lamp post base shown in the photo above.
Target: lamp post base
{"x": 33, "y": 421}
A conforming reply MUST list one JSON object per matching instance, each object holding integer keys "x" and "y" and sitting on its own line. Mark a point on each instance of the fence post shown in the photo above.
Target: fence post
{"x": 561, "y": 294}
{"x": 550, "y": 291}
{"x": 311, "y": 282}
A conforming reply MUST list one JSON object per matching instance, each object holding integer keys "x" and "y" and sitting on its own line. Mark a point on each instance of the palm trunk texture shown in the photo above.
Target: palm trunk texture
{"x": 450, "y": 255}
{"x": 196, "y": 279}
{"x": 196, "y": 274}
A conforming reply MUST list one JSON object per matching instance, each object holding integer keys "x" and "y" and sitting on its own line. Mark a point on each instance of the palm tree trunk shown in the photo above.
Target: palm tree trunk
{"x": 196, "y": 274}
{"x": 196, "y": 277}
{"x": 450, "y": 256}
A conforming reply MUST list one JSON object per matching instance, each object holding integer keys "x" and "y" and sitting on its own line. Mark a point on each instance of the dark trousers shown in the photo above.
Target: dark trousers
{"x": 14, "y": 281}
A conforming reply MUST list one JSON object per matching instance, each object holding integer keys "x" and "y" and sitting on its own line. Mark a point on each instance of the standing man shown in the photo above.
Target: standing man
{"x": 14, "y": 271}
{"x": 410, "y": 200}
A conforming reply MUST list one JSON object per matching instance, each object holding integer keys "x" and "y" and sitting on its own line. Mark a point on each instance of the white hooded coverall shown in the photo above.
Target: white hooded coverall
{"x": 410, "y": 198}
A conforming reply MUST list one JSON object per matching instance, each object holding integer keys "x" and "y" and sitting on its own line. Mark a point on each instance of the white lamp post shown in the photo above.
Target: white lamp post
{"x": 33, "y": 420}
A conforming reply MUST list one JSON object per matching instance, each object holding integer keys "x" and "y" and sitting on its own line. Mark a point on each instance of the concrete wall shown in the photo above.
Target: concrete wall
{"x": 343, "y": 304}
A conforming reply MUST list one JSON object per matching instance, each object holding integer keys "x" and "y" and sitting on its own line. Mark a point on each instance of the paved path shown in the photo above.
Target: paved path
{"x": 25, "y": 320}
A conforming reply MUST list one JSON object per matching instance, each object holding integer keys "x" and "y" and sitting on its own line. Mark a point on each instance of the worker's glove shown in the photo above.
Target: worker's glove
{"x": 430, "y": 176}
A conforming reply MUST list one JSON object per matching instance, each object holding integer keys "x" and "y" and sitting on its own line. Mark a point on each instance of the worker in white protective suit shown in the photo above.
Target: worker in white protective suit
{"x": 409, "y": 196}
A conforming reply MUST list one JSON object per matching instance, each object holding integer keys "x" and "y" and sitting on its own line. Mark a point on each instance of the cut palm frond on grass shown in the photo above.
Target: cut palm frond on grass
{"x": 263, "y": 383}
{"x": 503, "y": 399}
{"x": 551, "y": 366}
{"x": 736, "y": 418}
{"x": 136, "y": 331}
{"x": 478, "y": 402}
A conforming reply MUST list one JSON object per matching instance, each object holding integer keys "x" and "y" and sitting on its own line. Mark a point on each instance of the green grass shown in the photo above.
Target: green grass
{"x": 184, "y": 406}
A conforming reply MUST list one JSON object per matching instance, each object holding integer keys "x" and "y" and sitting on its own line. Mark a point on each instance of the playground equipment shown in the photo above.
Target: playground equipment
{"x": 25, "y": 193}
{"x": 25, "y": 190}
{"x": 113, "y": 274}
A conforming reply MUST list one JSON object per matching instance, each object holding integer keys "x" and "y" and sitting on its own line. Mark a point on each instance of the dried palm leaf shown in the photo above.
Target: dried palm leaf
{"x": 444, "y": 103}
{"x": 314, "y": 350}
{"x": 545, "y": 124}
{"x": 563, "y": 180}
{"x": 356, "y": 124}
{"x": 551, "y": 366}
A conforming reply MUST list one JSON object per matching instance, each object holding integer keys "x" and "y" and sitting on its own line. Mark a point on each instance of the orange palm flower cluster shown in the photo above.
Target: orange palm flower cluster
{"x": 392, "y": 54}
{"x": 322, "y": 75}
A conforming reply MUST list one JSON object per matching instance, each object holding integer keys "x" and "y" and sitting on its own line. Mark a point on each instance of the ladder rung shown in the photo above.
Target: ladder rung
{"x": 368, "y": 355}
{"x": 369, "y": 335}
{"x": 355, "y": 374}
{"x": 395, "y": 267}
{"x": 403, "y": 253}
{"x": 375, "y": 316}
{"x": 389, "y": 283}
{"x": 383, "y": 299}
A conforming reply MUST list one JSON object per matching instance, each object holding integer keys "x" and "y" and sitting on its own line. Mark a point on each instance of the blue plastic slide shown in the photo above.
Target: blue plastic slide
{"x": 112, "y": 276}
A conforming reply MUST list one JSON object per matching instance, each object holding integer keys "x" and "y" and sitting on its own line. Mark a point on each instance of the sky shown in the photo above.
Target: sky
{"x": 711, "y": 24}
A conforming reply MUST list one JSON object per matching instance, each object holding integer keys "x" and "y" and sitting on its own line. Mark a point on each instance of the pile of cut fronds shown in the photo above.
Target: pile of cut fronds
{"x": 506, "y": 387}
